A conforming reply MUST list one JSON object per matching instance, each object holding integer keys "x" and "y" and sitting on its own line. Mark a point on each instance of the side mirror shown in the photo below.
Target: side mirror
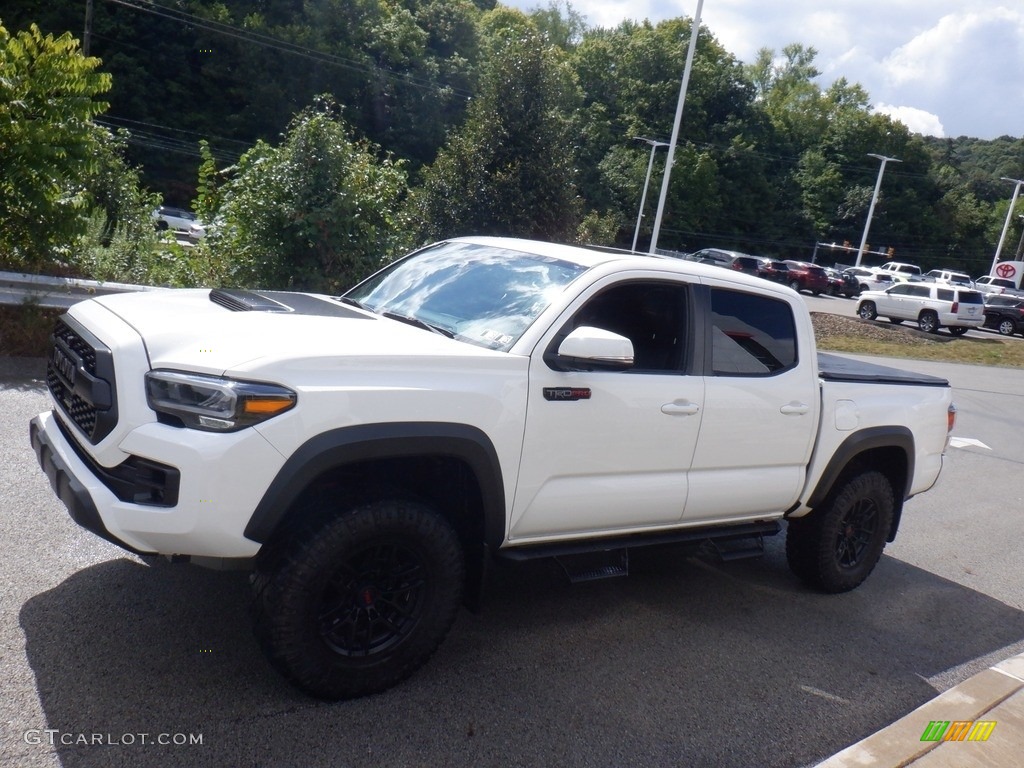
{"x": 589, "y": 349}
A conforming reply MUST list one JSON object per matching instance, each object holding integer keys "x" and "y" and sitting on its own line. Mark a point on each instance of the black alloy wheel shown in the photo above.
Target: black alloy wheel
{"x": 837, "y": 545}
{"x": 357, "y": 600}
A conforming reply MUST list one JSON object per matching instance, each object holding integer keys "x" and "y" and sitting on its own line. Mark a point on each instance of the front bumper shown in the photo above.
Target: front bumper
{"x": 69, "y": 489}
{"x": 175, "y": 491}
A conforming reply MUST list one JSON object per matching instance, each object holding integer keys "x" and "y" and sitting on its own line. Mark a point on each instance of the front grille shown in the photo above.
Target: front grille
{"x": 80, "y": 377}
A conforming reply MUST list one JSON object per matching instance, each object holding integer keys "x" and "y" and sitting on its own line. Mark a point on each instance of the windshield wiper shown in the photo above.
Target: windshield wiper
{"x": 415, "y": 321}
{"x": 353, "y": 302}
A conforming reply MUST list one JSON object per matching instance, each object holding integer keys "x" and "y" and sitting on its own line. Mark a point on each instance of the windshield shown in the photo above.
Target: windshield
{"x": 480, "y": 294}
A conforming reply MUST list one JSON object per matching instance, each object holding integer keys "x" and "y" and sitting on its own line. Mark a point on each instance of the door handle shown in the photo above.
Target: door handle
{"x": 794, "y": 409}
{"x": 680, "y": 408}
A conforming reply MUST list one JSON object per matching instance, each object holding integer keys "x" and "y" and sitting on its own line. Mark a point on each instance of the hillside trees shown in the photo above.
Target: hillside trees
{"x": 509, "y": 170}
{"x": 630, "y": 78}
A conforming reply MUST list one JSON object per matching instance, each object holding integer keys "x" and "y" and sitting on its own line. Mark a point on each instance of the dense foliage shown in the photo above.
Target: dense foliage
{"x": 463, "y": 116}
{"x": 48, "y": 144}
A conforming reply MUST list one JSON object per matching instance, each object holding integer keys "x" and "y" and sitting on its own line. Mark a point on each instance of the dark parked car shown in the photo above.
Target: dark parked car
{"x": 807, "y": 277}
{"x": 773, "y": 270}
{"x": 841, "y": 283}
{"x": 1005, "y": 314}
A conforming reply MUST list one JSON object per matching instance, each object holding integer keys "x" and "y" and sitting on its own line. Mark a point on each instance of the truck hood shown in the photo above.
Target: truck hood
{"x": 223, "y": 331}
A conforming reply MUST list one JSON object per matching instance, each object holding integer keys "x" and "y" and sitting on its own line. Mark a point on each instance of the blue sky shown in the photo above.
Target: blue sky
{"x": 943, "y": 67}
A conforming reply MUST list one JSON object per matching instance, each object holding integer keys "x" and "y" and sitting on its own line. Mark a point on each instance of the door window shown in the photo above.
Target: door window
{"x": 650, "y": 314}
{"x": 752, "y": 335}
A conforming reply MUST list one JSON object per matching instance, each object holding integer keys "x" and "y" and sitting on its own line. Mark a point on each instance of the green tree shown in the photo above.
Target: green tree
{"x": 510, "y": 169}
{"x": 316, "y": 213}
{"x": 49, "y": 146}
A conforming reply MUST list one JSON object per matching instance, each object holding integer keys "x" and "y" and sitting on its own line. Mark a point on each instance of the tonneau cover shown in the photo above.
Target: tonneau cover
{"x": 837, "y": 368}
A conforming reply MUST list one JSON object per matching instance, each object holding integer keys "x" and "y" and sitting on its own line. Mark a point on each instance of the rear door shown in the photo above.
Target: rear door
{"x": 761, "y": 408}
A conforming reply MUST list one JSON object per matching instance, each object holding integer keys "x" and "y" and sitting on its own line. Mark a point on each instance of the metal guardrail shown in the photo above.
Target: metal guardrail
{"x": 58, "y": 292}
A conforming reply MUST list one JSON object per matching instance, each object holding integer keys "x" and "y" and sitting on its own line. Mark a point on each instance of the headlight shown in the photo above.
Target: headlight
{"x": 215, "y": 403}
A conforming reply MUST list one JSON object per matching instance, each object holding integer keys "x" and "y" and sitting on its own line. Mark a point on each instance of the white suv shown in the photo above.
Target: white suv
{"x": 930, "y": 305}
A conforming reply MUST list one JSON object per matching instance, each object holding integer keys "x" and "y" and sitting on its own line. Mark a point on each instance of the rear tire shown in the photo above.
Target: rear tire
{"x": 867, "y": 311}
{"x": 357, "y": 602}
{"x": 1007, "y": 327}
{"x": 928, "y": 322}
{"x": 836, "y": 546}
{"x": 795, "y": 285}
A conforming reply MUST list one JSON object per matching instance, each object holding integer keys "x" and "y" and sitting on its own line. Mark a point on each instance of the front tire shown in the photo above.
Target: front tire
{"x": 836, "y": 546}
{"x": 867, "y": 311}
{"x": 928, "y": 322}
{"x": 795, "y": 285}
{"x": 958, "y": 330}
{"x": 355, "y": 604}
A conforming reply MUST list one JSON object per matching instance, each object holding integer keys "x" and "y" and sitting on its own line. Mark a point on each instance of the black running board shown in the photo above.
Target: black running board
{"x": 720, "y": 535}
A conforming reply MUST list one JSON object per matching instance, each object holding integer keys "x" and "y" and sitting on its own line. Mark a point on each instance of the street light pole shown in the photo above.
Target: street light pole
{"x": 874, "y": 199}
{"x": 643, "y": 197}
{"x": 1006, "y": 224}
{"x": 1020, "y": 245}
{"x": 694, "y": 32}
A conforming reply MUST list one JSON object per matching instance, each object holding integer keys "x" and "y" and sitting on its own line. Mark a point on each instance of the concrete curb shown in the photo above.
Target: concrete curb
{"x": 995, "y": 694}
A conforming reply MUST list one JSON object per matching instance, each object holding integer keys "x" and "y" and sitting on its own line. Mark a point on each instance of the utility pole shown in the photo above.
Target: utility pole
{"x": 694, "y": 32}
{"x": 88, "y": 28}
{"x": 874, "y": 199}
{"x": 1020, "y": 245}
{"x": 643, "y": 198}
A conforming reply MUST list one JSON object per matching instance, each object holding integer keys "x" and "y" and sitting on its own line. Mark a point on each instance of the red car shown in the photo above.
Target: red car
{"x": 807, "y": 277}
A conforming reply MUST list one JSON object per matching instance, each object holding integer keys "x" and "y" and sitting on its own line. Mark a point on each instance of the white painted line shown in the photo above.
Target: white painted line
{"x": 967, "y": 442}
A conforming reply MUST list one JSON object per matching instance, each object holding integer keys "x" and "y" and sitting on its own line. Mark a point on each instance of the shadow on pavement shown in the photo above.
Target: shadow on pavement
{"x": 686, "y": 662}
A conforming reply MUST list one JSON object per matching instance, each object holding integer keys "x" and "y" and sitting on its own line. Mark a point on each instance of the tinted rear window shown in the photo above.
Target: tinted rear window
{"x": 971, "y": 297}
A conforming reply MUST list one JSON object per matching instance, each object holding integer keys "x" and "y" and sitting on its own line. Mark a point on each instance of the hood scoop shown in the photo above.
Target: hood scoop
{"x": 238, "y": 300}
{"x": 245, "y": 301}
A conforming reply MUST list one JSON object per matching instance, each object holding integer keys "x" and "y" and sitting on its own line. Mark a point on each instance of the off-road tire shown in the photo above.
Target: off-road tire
{"x": 928, "y": 322}
{"x": 356, "y": 602}
{"x": 867, "y": 311}
{"x": 837, "y": 545}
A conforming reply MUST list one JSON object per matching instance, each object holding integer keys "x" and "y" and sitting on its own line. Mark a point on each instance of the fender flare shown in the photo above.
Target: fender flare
{"x": 894, "y": 436}
{"x": 366, "y": 442}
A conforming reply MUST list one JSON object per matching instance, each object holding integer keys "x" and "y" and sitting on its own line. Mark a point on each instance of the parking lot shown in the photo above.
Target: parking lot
{"x": 111, "y": 661}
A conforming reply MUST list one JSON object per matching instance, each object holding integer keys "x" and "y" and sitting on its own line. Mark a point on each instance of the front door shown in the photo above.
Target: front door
{"x": 609, "y": 451}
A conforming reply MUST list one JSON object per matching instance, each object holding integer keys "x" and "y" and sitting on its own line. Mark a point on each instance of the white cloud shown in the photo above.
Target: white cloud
{"x": 917, "y": 120}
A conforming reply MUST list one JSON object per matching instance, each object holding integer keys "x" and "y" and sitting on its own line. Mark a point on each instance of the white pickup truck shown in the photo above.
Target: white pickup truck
{"x": 366, "y": 455}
